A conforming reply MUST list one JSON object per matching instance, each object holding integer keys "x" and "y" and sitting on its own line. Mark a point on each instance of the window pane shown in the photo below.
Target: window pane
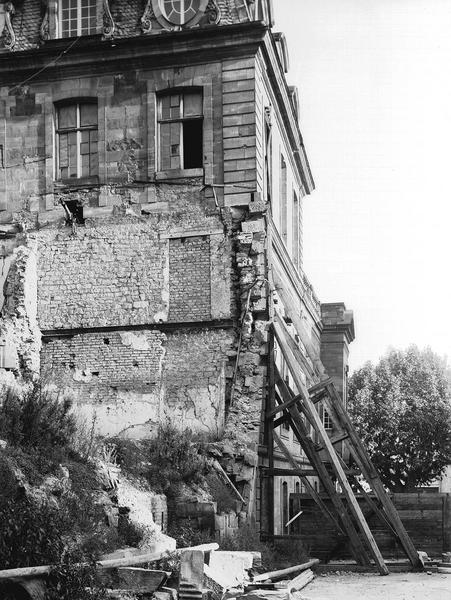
{"x": 170, "y": 145}
{"x": 175, "y": 107}
{"x": 88, "y": 114}
{"x": 67, "y": 117}
{"x": 192, "y": 104}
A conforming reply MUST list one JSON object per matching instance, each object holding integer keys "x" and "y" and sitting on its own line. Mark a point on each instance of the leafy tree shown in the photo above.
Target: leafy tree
{"x": 402, "y": 410}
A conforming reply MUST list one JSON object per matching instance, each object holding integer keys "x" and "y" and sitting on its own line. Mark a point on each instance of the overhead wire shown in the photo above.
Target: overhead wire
{"x": 49, "y": 64}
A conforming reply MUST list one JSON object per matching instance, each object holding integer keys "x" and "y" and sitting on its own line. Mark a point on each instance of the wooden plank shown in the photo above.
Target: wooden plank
{"x": 281, "y": 420}
{"x": 295, "y": 348}
{"x": 269, "y": 434}
{"x": 282, "y": 407}
{"x": 309, "y": 409}
{"x": 336, "y": 439}
{"x": 363, "y": 460}
{"x": 300, "y": 431}
{"x": 292, "y": 312}
{"x": 282, "y": 573}
{"x": 280, "y": 472}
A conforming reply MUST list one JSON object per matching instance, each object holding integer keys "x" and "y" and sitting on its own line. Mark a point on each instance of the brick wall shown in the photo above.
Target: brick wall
{"x": 189, "y": 279}
{"x": 102, "y": 276}
{"x": 128, "y": 381}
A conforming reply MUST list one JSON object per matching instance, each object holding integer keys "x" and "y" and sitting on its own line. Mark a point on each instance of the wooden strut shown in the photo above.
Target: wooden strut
{"x": 308, "y": 486}
{"x": 309, "y": 410}
{"x": 343, "y": 423}
{"x": 300, "y": 431}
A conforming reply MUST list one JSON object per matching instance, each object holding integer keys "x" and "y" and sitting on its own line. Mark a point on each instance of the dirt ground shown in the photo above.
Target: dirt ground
{"x": 396, "y": 586}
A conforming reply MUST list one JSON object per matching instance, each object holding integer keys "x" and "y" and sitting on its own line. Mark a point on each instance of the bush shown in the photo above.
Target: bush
{"x": 171, "y": 458}
{"x": 71, "y": 581}
{"x": 29, "y": 535}
{"x": 37, "y": 419}
{"x": 248, "y": 538}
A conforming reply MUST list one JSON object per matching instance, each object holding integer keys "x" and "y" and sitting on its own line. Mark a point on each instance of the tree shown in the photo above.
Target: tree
{"x": 402, "y": 410}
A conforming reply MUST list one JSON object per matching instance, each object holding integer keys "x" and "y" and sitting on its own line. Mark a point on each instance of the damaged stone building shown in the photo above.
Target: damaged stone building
{"x": 152, "y": 176}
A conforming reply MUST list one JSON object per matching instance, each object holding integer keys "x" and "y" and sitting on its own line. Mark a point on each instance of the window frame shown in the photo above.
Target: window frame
{"x": 78, "y": 129}
{"x": 181, "y": 171}
{"x": 92, "y": 19}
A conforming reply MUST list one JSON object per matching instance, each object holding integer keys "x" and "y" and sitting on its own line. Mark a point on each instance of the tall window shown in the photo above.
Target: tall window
{"x": 76, "y": 138}
{"x": 180, "y": 124}
{"x": 77, "y": 17}
{"x": 283, "y": 200}
{"x": 295, "y": 232}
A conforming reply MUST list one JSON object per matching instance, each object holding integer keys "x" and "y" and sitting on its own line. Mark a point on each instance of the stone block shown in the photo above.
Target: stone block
{"x": 253, "y": 226}
{"x": 191, "y": 574}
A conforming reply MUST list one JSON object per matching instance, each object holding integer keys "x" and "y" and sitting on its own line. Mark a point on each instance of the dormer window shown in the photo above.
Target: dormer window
{"x": 77, "y": 17}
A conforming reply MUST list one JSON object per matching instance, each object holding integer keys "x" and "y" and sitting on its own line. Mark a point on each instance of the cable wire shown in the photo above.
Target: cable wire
{"x": 50, "y": 64}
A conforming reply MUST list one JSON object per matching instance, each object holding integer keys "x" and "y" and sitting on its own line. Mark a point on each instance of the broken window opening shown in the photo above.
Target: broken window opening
{"x": 76, "y": 141}
{"x": 74, "y": 212}
{"x": 180, "y": 130}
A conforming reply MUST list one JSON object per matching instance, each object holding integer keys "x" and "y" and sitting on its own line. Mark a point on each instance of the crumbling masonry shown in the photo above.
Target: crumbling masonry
{"x": 152, "y": 174}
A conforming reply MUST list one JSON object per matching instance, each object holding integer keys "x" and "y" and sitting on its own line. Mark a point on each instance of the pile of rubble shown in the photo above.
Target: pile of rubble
{"x": 204, "y": 573}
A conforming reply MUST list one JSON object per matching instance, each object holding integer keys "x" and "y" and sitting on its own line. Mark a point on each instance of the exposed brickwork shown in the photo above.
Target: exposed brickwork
{"x": 189, "y": 279}
{"x": 103, "y": 275}
{"x": 136, "y": 378}
{"x": 102, "y": 363}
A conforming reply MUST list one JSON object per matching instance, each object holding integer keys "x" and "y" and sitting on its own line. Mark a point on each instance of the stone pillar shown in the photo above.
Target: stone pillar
{"x": 337, "y": 334}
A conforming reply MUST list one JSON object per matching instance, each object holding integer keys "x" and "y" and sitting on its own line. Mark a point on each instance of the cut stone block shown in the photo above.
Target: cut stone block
{"x": 191, "y": 575}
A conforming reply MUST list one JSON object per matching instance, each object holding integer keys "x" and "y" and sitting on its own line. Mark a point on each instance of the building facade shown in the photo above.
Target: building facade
{"x": 152, "y": 176}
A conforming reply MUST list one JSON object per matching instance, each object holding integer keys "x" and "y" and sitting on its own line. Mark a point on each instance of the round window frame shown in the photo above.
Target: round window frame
{"x": 161, "y": 18}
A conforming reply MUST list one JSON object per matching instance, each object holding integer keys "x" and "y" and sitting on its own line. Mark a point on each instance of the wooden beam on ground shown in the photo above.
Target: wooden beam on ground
{"x": 309, "y": 409}
{"x": 282, "y": 573}
{"x": 299, "y": 429}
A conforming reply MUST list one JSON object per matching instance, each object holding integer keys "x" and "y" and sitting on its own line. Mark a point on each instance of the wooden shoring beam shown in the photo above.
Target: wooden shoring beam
{"x": 358, "y": 451}
{"x": 307, "y": 444}
{"x": 272, "y": 413}
{"x": 295, "y": 348}
{"x": 308, "y": 486}
{"x": 269, "y": 435}
{"x": 309, "y": 409}
{"x": 281, "y": 420}
{"x": 336, "y": 439}
{"x": 280, "y": 472}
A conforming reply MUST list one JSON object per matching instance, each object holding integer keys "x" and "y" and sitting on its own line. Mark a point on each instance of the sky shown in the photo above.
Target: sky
{"x": 374, "y": 79}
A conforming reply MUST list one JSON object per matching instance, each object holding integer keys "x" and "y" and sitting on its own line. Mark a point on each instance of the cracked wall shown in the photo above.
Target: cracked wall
{"x": 126, "y": 382}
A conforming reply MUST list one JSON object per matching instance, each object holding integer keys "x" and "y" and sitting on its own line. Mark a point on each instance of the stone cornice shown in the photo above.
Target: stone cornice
{"x": 96, "y": 55}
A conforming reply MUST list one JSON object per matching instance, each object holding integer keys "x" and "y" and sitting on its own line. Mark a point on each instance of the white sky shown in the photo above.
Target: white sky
{"x": 374, "y": 78}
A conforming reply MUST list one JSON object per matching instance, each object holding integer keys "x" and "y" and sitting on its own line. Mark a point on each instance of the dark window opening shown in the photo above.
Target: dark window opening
{"x": 192, "y": 144}
{"x": 74, "y": 212}
{"x": 180, "y": 130}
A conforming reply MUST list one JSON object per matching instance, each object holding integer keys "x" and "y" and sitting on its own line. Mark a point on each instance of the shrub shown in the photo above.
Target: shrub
{"x": 248, "y": 538}
{"x": 71, "y": 581}
{"x": 37, "y": 419}
{"x": 29, "y": 535}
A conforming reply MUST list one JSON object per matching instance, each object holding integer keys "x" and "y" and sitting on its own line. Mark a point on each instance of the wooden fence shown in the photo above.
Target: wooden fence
{"x": 426, "y": 516}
